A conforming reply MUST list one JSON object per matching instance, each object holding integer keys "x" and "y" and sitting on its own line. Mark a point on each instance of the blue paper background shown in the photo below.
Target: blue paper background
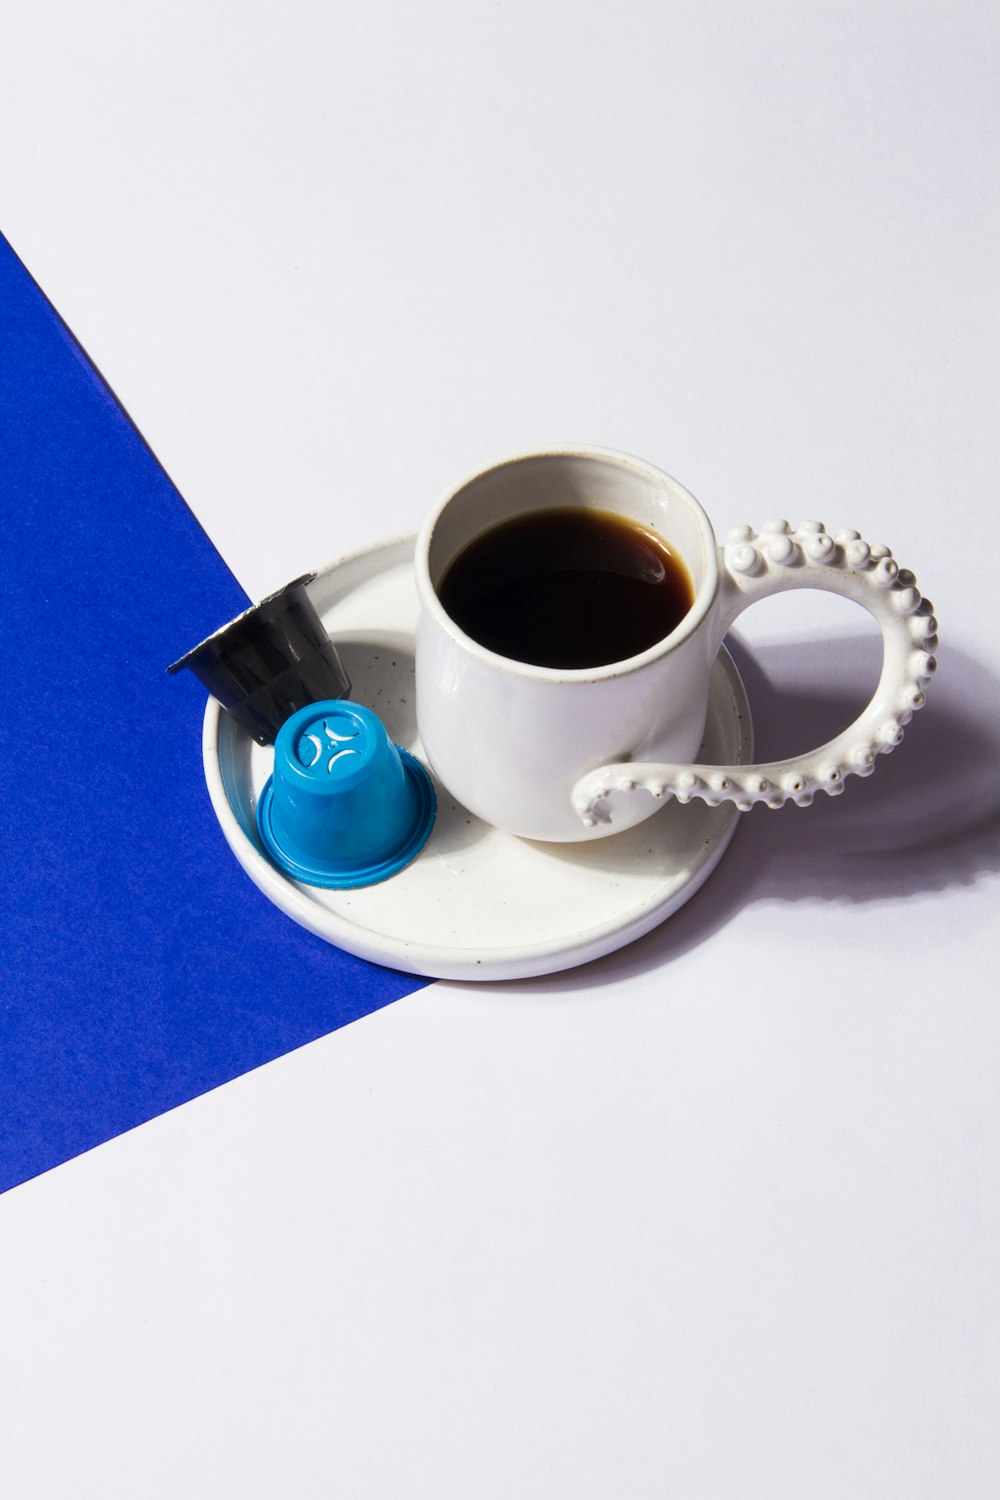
{"x": 140, "y": 966}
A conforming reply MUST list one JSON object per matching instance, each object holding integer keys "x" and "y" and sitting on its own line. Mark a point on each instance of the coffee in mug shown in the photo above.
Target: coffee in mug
{"x": 567, "y": 587}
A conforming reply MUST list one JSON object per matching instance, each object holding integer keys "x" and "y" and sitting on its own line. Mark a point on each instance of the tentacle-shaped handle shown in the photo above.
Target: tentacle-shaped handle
{"x": 753, "y": 566}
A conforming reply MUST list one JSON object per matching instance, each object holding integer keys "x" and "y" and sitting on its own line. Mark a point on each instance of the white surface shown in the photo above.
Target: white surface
{"x": 718, "y": 1218}
{"x": 478, "y": 904}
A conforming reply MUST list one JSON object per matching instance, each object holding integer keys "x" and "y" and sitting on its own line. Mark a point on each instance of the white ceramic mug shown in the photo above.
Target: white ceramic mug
{"x": 581, "y": 753}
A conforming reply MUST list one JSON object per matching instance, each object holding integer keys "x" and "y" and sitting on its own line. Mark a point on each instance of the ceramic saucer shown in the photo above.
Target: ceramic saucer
{"x": 477, "y": 903}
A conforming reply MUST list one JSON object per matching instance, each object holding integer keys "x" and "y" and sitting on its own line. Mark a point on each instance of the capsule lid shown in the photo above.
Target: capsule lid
{"x": 344, "y": 807}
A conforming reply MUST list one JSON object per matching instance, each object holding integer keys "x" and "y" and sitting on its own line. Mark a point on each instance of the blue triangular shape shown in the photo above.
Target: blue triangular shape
{"x": 140, "y": 965}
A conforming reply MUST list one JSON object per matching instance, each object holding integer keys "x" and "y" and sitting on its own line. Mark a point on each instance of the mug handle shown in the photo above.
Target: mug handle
{"x": 752, "y": 567}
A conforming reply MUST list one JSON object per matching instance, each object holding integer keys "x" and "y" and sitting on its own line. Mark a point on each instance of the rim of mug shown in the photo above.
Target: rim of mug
{"x": 693, "y": 619}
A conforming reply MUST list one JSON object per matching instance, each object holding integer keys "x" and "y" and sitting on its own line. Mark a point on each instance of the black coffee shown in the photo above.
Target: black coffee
{"x": 567, "y": 587}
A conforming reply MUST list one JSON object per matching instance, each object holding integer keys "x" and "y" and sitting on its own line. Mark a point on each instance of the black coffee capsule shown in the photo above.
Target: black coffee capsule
{"x": 272, "y": 660}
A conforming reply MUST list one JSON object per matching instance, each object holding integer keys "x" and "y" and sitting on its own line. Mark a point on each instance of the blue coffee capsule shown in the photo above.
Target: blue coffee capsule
{"x": 344, "y": 807}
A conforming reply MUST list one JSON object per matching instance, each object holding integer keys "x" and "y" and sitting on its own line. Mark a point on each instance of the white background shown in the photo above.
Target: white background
{"x": 718, "y": 1216}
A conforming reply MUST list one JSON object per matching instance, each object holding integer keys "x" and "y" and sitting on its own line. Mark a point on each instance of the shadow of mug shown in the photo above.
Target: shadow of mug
{"x": 908, "y": 829}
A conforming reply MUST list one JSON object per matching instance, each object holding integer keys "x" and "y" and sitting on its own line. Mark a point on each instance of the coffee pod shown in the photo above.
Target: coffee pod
{"x": 270, "y": 661}
{"x": 344, "y": 807}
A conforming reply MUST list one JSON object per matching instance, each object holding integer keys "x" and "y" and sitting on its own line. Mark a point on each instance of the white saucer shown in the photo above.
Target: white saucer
{"x": 477, "y": 903}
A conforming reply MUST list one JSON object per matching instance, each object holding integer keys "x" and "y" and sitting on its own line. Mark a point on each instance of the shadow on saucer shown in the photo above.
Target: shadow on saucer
{"x": 382, "y": 672}
{"x": 927, "y": 820}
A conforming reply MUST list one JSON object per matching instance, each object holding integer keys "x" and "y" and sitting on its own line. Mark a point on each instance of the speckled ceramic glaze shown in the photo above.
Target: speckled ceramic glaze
{"x": 578, "y": 754}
